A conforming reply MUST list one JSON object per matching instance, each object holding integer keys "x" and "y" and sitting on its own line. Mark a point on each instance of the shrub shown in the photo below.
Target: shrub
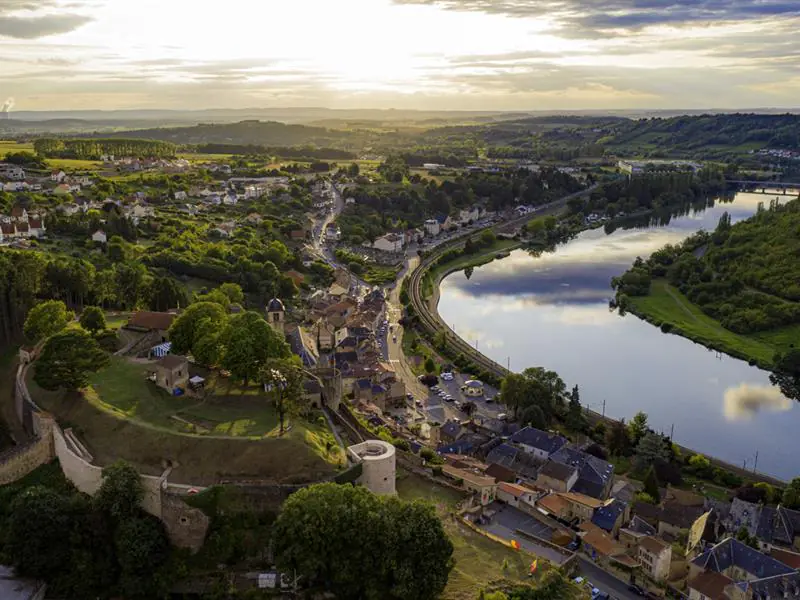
{"x": 427, "y": 454}
{"x": 401, "y": 444}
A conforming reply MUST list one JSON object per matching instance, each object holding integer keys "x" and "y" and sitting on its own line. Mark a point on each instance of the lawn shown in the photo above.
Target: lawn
{"x": 380, "y": 275}
{"x": 117, "y": 428}
{"x": 479, "y": 560}
{"x": 228, "y": 409}
{"x": 665, "y": 304}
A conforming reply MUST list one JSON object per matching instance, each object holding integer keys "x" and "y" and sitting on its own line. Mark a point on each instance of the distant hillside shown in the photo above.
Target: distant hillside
{"x": 708, "y": 135}
{"x": 267, "y": 133}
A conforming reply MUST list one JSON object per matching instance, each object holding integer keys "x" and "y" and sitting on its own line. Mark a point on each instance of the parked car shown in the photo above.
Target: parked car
{"x": 636, "y": 589}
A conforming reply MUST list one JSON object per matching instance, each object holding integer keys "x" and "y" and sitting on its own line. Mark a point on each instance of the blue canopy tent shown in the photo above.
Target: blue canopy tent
{"x": 161, "y": 350}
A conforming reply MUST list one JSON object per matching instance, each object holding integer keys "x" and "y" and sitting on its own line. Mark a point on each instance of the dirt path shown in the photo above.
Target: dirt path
{"x": 680, "y": 303}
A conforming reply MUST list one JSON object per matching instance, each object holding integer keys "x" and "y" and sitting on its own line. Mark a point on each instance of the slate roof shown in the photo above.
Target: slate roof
{"x": 451, "y": 429}
{"x": 556, "y": 470}
{"x": 541, "y": 440}
{"x": 606, "y": 516}
{"x": 679, "y": 515}
{"x": 639, "y": 525}
{"x": 593, "y": 472}
{"x": 731, "y": 552}
{"x": 364, "y": 384}
{"x": 646, "y": 511}
{"x": 458, "y": 447}
{"x": 377, "y": 388}
{"x": 275, "y": 305}
{"x": 504, "y": 455}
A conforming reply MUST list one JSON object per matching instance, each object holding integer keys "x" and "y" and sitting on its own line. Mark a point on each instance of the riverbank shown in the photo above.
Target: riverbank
{"x": 667, "y": 308}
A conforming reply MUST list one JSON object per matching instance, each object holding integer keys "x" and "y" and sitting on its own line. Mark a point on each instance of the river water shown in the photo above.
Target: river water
{"x": 552, "y": 311}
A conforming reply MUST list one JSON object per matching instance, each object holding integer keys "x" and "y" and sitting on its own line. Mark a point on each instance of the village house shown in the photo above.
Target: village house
{"x": 324, "y": 333}
{"x": 171, "y": 372}
{"x": 333, "y": 233}
{"x": 485, "y": 488}
{"x": 19, "y": 214}
{"x": 57, "y": 176}
{"x": 595, "y": 476}
{"x": 155, "y": 323}
{"x": 516, "y": 495}
{"x": 741, "y": 573}
{"x": 36, "y": 228}
{"x": 181, "y": 196}
{"x": 391, "y": 242}
{"x": 540, "y": 444}
{"x": 655, "y": 557}
{"x": 100, "y": 236}
{"x": 611, "y": 516}
{"x": 432, "y": 227}
{"x": 14, "y": 172}
{"x": 601, "y": 547}
{"x": 557, "y": 477}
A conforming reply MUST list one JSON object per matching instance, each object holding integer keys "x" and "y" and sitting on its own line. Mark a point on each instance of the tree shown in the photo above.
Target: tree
{"x": 196, "y": 322}
{"x": 430, "y": 366}
{"x": 637, "y": 427}
{"x": 67, "y": 360}
{"x": 320, "y": 535}
{"x": 45, "y": 319}
{"x": 284, "y": 378}
{"x": 165, "y": 293}
{"x": 617, "y": 440}
{"x": 121, "y": 492}
{"x": 791, "y": 494}
{"x": 249, "y": 342}
{"x": 93, "y": 319}
{"x": 652, "y": 450}
{"x": 701, "y": 466}
{"x": 770, "y": 493}
{"x": 143, "y": 551}
{"x": 651, "y": 485}
{"x": 469, "y": 408}
{"x": 38, "y": 533}
{"x": 575, "y": 418}
{"x": 233, "y": 291}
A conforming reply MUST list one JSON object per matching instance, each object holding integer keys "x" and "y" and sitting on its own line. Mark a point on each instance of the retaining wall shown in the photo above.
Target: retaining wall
{"x": 18, "y": 461}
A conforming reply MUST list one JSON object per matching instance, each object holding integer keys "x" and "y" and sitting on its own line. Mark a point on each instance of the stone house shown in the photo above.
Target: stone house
{"x": 155, "y": 323}
{"x": 557, "y": 477}
{"x": 514, "y": 494}
{"x": 655, "y": 556}
{"x": 171, "y": 372}
{"x": 484, "y": 487}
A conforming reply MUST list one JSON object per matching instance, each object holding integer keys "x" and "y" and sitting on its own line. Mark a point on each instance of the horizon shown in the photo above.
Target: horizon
{"x": 426, "y": 55}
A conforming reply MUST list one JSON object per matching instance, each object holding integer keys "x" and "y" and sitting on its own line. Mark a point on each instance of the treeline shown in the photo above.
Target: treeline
{"x": 746, "y": 276}
{"x": 652, "y": 191}
{"x": 304, "y": 153}
{"x": 93, "y": 149}
{"x": 380, "y": 209}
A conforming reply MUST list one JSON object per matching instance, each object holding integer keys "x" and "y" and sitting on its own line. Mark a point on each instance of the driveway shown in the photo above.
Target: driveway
{"x": 605, "y": 581}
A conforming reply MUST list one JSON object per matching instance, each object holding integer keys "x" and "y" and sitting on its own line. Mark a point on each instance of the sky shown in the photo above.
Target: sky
{"x": 409, "y": 54}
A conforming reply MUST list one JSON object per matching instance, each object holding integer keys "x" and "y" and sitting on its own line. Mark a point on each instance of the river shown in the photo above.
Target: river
{"x": 552, "y": 311}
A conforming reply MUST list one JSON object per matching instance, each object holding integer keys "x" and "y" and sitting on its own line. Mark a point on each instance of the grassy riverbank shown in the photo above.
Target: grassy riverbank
{"x": 483, "y": 256}
{"x": 665, "y": 304}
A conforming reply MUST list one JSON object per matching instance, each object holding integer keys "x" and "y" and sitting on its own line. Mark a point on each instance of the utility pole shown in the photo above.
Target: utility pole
{"x": 604, "y": 408}
{"x": 508, "y": 364}
{"x": 755, "y": 463}
{"x": 672, "y": 432}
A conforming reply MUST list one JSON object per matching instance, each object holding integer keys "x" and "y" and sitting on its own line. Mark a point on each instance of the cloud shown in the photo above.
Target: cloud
{"x": 744, "y": 402}
{"x": 48, "y": 18}
{"x": 626, "y": 14}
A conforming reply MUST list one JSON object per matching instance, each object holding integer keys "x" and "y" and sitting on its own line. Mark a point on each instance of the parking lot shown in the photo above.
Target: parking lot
{"x": 440, "y": 410}
{"x": 508, "y": 520}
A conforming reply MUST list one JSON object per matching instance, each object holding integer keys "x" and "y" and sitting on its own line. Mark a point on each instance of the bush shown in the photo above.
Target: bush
{"x": 427, "y": 454}
{"x": 108, "y": 340}
{"x": 401, "y": 444}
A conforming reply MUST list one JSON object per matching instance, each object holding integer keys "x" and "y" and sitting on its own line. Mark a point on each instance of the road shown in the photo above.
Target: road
{"x": 605, "y": 581}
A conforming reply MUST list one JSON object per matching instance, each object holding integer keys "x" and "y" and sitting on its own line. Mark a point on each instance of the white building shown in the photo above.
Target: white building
{"x": 473, "y": 388}
{"x": 181, "y": 196}
{"x": 391, "y": 242}
{"x": 333, "y": 233}
{"x": 57, "y": 176}
{"x": 100, "y": 236}
{"x": 432, "y": 227}
{"x": 10, "y": 171}
{"x": 378, "y": 466}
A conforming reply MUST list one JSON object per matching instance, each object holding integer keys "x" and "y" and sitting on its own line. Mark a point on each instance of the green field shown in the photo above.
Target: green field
{"x": 665, "y": 304}
{"x": 9, "y": 146}
{"x": 479, "y": 560}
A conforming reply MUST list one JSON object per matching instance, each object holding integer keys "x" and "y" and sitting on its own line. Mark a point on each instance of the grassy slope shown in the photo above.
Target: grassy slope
{"x": 479, "y": 560}
{"x": 307, "y": 453}
{"x": 688, "y": 320}
{"x": 485, "y": 255}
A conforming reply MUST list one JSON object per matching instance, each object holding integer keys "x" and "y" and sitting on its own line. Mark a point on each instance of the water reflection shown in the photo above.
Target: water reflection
{"x": 552, "y": 311}
{"x": 745, "y": 401}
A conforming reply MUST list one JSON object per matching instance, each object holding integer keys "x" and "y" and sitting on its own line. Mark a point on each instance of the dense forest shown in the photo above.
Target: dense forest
{"x": 93, "y": 149}
{"x": 652, "y": 192}
{"x": 746, "y": 276}
{"x": 306, "y": 152}
{"x": 378, "y": 210}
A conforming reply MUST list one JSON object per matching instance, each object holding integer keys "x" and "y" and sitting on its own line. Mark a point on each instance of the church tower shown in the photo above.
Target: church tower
{"x": 276, "y": 315}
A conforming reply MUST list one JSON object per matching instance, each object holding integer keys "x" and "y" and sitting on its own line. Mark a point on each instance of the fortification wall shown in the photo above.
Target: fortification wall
{"x": 18, "y": 461}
